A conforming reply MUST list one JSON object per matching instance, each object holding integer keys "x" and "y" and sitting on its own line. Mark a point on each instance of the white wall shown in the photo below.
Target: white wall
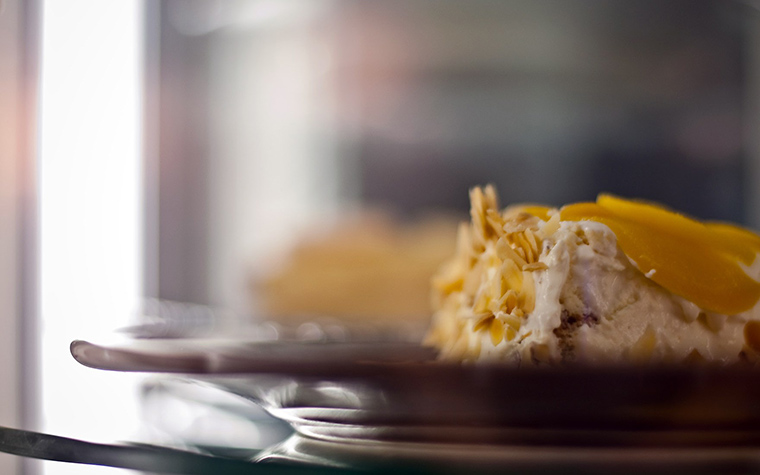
{"x": 90, "y": 230}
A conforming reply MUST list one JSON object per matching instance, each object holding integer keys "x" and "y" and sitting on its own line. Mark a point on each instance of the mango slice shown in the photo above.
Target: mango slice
{"x": 745, "y": 241}
{"x": 698, "y": 261}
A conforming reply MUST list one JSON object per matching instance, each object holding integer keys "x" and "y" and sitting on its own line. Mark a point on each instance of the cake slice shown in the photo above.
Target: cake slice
{"x": 614, "y": 281}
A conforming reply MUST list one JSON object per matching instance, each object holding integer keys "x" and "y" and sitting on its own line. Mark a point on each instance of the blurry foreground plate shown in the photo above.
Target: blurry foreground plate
{"x": 398, "y": 393}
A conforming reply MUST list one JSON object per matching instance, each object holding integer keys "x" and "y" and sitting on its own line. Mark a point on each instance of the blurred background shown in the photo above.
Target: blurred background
{"x": 270, "y": 119}
{"x": 303, "y": 158}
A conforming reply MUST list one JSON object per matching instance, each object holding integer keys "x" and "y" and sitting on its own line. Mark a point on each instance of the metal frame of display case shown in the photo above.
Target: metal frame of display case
{"x": 19, "y": 42}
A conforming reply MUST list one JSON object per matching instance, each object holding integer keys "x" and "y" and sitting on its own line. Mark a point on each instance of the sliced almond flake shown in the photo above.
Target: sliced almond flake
{"x": 520, "y": 241}
{"x": 501, "y": 249}
{"x": 483, "y": 201}
{"x": 501, "y": 301}
{"x": 497, "y": 306}
{"x": 534, "y": 266}
{"x": 482, "y": 322}
{"x": 506, "y": 253}
{"x": 497, "y": 331}
{"x": 510, "y": 333}
{"x": 473, "y": 278}
{"x": 512, "y": 275}
{"x": 477, "y": 204}
{"x": 482, "y": 299}
{"x": 491, "y": 197}
{"x": 494, "y": 286}
{"x": 478, "y": 221}
{"x": 510, "y": 300}
{"x": 494, "y": 220}
{"x": 513, "y": 322}
{"x": 524, "y": 246}
{"x": 528, "y": 295}
{"x": 551, "y": 226}
{"x": 478, "y": 239}
{"x": 519, "y": 225}
{"x": 535, "y": 244}
{"x": 493, "y": 260}
{"x": 513, "y": 226}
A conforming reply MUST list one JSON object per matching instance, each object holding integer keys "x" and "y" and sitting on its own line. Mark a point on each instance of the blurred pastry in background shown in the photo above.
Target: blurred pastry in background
{"x": 370, "y": 268}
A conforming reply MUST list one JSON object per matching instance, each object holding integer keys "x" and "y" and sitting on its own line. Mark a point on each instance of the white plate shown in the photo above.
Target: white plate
{"x": 398, "y": 393}
{"x": 468, "y": 458}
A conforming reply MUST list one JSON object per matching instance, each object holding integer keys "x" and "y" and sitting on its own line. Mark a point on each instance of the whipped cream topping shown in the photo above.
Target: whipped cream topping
{"x": 569, "y": 295}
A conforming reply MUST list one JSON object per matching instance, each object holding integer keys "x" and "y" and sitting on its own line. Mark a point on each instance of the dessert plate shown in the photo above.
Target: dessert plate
{"x": 397, "y": 393}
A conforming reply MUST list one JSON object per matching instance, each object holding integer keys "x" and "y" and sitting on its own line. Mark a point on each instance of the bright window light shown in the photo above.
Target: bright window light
{"x": 90, "y": 211}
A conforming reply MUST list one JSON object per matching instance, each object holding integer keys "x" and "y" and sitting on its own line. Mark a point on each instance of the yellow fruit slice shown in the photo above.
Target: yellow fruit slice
{"x": 732, "y": 240}
{"x": 698, "y": 261}
{"x": 746, "y": 242}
